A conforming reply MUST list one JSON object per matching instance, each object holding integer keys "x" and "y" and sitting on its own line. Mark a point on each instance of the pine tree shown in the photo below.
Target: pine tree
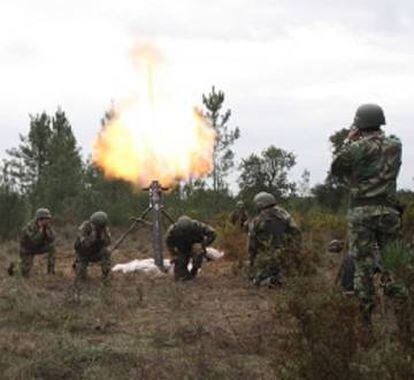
{"x": 63, "y": 175}
{"x": 26, "y": 163}
{"x": 13, "y": 207}
{"x": 225, "y": 137}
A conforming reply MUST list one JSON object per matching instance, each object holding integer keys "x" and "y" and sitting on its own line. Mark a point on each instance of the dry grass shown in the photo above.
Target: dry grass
{"x": 139, "y": 327}
{"x": 217, "y": 327}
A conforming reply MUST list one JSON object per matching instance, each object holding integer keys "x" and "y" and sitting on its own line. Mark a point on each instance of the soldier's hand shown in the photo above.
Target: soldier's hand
{"x": 94, "y": 233}
{"x": 44, "y": 230}
{"x": 353, "y": 134}
{"x": 198, "y": 248}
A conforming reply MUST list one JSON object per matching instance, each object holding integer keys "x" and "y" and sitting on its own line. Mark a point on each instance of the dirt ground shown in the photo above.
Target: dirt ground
{"x": 141, "y": 326}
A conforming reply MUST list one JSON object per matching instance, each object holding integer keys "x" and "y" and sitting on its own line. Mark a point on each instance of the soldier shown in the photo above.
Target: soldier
{"x": 92, "y": 245}
{"x": 268, "y": 235}
{"x": 37, "y": 238}
{"x": 187, "y": 240}
{"x": 369, "y": 162}
{"x": 239, "y": 216}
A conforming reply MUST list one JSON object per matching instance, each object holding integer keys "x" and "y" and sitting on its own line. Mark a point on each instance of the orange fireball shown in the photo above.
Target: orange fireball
{"x": 154, "y": 136}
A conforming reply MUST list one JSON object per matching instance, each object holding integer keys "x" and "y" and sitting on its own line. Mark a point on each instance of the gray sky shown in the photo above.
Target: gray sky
{"x": 294, "y": 71}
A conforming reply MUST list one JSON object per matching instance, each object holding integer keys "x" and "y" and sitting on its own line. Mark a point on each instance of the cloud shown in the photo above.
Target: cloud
{"x": 19, "y": 52}
{"x": 265, "y": 20}
{"x": 293, "y": 71}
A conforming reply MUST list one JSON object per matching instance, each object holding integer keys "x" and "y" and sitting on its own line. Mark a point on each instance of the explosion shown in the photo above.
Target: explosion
{"x": 154, "y": 135}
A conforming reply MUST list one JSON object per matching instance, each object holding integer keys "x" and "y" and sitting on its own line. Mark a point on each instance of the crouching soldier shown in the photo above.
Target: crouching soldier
{"x": 187, "y": 240}
{"x": 37, "y": 238}
{"x": 268, "y": 235}
{"x": 239, "y": 217}
{"x": 92, "y": 245}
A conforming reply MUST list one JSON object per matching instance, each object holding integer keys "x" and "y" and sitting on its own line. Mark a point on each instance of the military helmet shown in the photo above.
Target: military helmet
{"x": 369, "y": 116}
{"x": 239, "y": 204}
{"x": 184, "y": 222}
{"x": 43, "y": 213}
{"x": 99, "y": 219}
{"x": 263, "y": 200}
{"x": 336, "y": 246}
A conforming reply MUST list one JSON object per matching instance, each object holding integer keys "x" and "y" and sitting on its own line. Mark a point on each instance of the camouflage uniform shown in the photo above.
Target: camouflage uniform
{"x": 239, "y": 218}
{"x": 370, "y": 165}
{"x": 268, "y": 235}
{"x": 36, "y": 241}
{"x": 91, "y": 246}
{"x": 180, "y": 240}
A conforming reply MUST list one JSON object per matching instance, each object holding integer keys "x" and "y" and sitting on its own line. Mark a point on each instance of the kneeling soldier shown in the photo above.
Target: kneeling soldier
{"x": 187, "y": 240}
{"x": 92, "y": 245}
{"x": 37, "y": 238}
{"x": 268, "y": 235}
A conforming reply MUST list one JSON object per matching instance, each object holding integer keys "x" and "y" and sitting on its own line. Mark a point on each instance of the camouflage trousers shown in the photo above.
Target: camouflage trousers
{"x": 84, "y": 258}
{"x": 370, "y": 229}
{"x": 27, "y": 258}
{"x": 265, "y": 268}
{"x": 181, "y": 262}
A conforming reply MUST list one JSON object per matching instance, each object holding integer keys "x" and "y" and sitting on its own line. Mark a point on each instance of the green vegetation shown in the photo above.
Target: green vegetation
{"x": 225, "y": 137}
{"x": 217, "y": 327}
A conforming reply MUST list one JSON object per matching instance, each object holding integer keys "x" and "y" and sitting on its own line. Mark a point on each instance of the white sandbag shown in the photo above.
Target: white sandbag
{"x": 148, "y": 265}
{"x": 213, "y": 254}
{"x": 145, "y": 265}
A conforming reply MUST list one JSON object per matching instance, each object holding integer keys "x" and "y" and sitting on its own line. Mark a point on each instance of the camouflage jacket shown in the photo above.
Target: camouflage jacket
{"x": 33, "y": 238}
{"x": 239, "y": 217}
{"x": 370, "y": 167}
{"x": 270, "y": 229}
{"x": 180, "y": 240}
{"x": 91, "y": 239}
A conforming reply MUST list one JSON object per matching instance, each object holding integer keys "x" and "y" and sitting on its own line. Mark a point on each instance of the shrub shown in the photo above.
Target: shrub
{"x": 327, "y": 335}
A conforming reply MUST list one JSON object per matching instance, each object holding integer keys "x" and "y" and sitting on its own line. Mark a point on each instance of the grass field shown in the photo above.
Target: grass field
{"x": 150, "y": 327}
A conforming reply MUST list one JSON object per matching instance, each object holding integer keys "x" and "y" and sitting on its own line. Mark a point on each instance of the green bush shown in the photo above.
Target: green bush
{"x": 396, "y": 256}
{"x": 327, "y": 335}
{"x": 13, "y": 211}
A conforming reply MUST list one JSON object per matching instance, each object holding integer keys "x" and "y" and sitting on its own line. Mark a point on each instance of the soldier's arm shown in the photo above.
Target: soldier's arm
{"x": 251, "y": 247}
{"x": 49, "y": 234}
{"x": 292, "y": 228}
{"x": 107, "y": 237}
{"x": 342, "y": 163}
{"x": 87, "y": 235}
{"x": 264, "y": 232}
{"x": 25, "y": 241}
{"x": 33, "y": 235}
{"x": 209, "y": 234}
{"x": 170, "y": 240}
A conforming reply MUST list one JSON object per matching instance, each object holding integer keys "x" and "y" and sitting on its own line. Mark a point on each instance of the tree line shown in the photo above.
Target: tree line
{"x": 47, "y": 169}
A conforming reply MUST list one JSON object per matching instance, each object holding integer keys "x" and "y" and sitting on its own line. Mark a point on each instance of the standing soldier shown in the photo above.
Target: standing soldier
{"x": 187, "y": 240}
{"x": 37, "y": 238}
{"x": 239, "y": 216}
{"x": 268, "y": 235}
{"x": 369, "y": 162}
{"x": 92, "y": 245}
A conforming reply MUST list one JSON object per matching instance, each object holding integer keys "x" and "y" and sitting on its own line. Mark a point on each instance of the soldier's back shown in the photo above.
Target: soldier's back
{"x": 376, "y": 164}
